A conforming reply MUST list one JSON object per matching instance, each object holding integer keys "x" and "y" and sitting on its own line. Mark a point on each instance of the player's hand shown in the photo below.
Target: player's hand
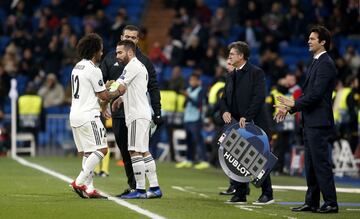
{"x": 226, "y": 117}
{"x": 281, "y": 114}
{"x": 242, "y": 122}
{"x": 116, "y": 104}
{"x": 108, "y": 84}
{"x": 286, "y": 101}
{"x": 106, "y": 113}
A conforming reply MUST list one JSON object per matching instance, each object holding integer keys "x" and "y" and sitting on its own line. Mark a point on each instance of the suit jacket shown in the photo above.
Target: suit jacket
{"x": 316, "y": 102}
{"x": 249, "y": 91}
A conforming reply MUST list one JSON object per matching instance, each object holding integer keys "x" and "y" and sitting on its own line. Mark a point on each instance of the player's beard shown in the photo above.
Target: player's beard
{"x": 126, "y": 60}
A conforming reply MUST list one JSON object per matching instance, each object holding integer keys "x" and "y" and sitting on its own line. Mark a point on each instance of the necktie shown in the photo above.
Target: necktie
{"x": 312, "y": 65}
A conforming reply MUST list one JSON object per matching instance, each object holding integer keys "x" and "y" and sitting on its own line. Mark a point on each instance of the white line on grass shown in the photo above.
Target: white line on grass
{"x": 191, "y": 192}
{"x": 69, "y": 180}
{"x": 353, "y": 209}
{"x": 254, "y": 209}
{"x": 304, "y": 188}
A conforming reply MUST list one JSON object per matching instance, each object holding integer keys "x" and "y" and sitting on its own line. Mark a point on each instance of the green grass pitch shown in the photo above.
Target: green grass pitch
{"x": 188, "y": 193}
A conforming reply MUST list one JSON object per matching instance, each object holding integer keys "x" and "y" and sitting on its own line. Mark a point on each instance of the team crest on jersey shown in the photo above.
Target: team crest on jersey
{"x": 122, "y": 76}
{"x": 101, "y": 83}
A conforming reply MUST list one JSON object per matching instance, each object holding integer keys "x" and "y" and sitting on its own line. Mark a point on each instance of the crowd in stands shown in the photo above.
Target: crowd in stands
{"x": 38, "y": 39}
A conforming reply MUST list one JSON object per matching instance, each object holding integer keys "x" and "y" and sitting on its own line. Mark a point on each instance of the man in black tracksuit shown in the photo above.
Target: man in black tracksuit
{"x": 112, "y": 69}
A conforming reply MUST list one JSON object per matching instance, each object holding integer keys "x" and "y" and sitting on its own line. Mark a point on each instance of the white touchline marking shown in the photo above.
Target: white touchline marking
{"x": 252, "y": 208}
{"x": 353, "y": 209}
{"x": 279, "y": 188}
{"x": 191, "y": 192}
{"x": 304, "y": 188}
{"x": 69, "y": 180}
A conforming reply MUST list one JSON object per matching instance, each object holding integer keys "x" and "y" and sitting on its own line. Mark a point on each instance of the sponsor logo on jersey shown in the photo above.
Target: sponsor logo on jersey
{"x": 80, "y": 67}
{"x": 101, "y": 83}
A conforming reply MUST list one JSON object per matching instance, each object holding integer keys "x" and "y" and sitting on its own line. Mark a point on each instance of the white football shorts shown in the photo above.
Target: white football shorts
{"x": 91, "y": 136}
{"x": 138, "y": 135}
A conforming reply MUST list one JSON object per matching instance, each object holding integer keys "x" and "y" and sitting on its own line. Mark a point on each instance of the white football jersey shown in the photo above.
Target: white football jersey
{"x": 136, "y": 104}
{"x": 86, "y": 81}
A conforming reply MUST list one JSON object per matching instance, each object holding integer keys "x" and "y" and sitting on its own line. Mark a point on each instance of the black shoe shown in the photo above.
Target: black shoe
{"x": 237, "y": 200}
{"x": 229, "y": 191}
{"x": 328, "y": 209}
{"x": 304, "y": 207}
{"x": 126, "y": 191}
{"x": 264, "y": 200}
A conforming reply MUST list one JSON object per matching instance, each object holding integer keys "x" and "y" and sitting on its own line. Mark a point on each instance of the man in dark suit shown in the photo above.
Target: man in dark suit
{"x": 244, "y": 100}
{"x": 318, "y": 122}
{"x": 112, "y": 69}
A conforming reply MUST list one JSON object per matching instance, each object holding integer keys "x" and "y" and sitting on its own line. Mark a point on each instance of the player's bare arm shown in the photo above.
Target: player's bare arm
{"x": 108, "y": 95}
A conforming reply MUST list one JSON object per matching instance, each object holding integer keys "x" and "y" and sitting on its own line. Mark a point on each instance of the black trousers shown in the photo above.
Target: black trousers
{"x": 266, "y": 187}
{"x": 319, "y": 175}
{"x": 121, "y": 138}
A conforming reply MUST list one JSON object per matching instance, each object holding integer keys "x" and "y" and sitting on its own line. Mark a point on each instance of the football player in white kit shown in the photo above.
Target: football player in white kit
{"x": 132, "y": 84}
{"x": 88, "y": 131}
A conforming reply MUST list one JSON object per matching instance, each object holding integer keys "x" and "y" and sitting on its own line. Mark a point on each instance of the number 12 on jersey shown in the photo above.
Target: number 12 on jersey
{"x": 75, "y": 84}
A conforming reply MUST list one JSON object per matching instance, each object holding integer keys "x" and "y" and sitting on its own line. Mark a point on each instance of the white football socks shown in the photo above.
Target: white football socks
{"x": 139, "y": 171}
{"x": 150, "y": 171}
{"x": 88, "y": 166}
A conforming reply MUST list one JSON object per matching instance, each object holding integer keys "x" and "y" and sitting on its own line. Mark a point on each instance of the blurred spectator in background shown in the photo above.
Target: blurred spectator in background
{"x": 10, "y": 61}
{"x": 69, "y": 51}
{"x": 118, "y": 26}
{"x": 233, "y": 11}
{"x": 31, "y": 116}
{"x": 352, "y": 58}
{"x": 173, "y": 51}
{"x": 193, "y": 126}
{"x": 53, "y": 55}
{"x": 157, "y": 57}
{"x": 52, "y": 91}
{"x": 283, "y": 131}
{"x": 202, "y": 12}
{"x": 177, "y": 81}
{"x": 220, "y": 24}
{"x": 28, "y": 66}
{"x": 193, "y": 53}
{"x": 345, "y": 108}
{"x": 4, "y": 86}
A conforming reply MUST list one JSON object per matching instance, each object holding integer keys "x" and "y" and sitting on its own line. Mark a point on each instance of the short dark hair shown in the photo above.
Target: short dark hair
{"x": 323, "y": 34}
{"x": 195, "y": 75}
{"x": 89, "y": 45}
{"x": 241, "y": 47}
{"x": 131, "y": 28}
{"x": 128, "y": 44}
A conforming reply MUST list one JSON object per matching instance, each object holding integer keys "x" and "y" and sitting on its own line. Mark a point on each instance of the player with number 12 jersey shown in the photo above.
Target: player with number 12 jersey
{"x": 86, "y": 80}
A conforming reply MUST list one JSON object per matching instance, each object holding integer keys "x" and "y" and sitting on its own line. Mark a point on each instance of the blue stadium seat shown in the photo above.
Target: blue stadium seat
{"x": 166, "y": 73}
{"x": 134, "y": 10}
{"x": 7, "y": 106}
{"x": 53, "y": 110}
{"x": 186, "y": 72}
{"x": 65, "y": 75}
{"x": 4, "y": 41}
{"x": 65, "y": 109}
{"x": 22, "y": 81}
{"x": 206, "y": 81}
{"x": 2, "y": 15}
{"x": 46, "y": 2}
{"x": 76, "y": 23}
